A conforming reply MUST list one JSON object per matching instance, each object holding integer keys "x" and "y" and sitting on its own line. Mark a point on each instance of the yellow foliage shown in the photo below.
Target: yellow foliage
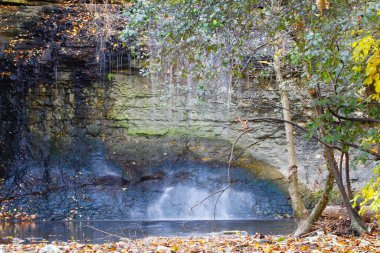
{"x": 357, "y": 69}
{"x": 371, "y": 195}
{"x": 322, "y": 5}
{"x": 368, "y": 48}
{"x": 373, "y": 71}
{"x": 362, "y": 48}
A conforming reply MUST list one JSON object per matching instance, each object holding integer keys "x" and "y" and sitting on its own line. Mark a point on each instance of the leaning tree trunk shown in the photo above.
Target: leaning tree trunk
{"x": 307, "y": 225}
{"x": 356, "y": 223}
{"x": 299, "y": 209}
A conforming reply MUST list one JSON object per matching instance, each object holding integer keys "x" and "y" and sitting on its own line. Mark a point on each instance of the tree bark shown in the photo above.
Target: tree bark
{"x": 306, "y": 226}
{"x": 304, "y": 220}
{"x": 356, "y": 223}
{"x": 340, "y": 212}
{"x": 299, "y": 209}
{"x": 347, "y": 170}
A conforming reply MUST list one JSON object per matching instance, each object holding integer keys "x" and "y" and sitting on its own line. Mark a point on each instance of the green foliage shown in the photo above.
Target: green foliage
{"x": 205, "y": 38}
{"x": 335, "y": 50}
{"x": 335, "y": 198}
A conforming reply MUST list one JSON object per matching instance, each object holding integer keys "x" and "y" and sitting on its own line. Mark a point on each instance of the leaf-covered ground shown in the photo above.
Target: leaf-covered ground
{"x": 255, "y": 243}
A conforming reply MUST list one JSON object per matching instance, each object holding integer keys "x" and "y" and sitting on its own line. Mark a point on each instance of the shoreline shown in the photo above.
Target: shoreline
{"x": 315, "y": 242}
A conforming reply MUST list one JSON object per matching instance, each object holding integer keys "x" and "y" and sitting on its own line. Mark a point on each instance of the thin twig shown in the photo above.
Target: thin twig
{"x": 232, "y": 152}
{"x": 348, "y": 182}
{"x": 217, "y": 200}
{"x": 297, "y": 126}
{"x": 361, "y": 120}
{"x": 353, "y": 145}
{"x": 377, "y": 155}
{"x": 107, "y": 233}
{"x": 209, "y": 196}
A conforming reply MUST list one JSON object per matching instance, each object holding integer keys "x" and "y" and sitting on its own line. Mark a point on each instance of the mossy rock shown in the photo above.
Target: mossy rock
{"x": 335, "y": 198}
{"x": 148, "y": 132}
{"x": 120, "y": 124}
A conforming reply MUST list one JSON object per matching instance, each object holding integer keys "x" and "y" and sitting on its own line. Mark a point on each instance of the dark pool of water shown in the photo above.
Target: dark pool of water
{"x": 96, "y": 231}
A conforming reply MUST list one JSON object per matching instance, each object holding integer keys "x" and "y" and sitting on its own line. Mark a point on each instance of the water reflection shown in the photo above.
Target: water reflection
{"x": 109, "y": 231}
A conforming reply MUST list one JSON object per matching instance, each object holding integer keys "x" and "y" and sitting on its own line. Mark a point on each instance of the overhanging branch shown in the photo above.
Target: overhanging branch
{"x": 361, "y": 120}
{"x": 297, "y": 126}
{"x": 267, "y": 119}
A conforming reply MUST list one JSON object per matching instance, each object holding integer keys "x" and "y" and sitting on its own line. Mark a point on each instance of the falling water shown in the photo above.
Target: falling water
{"x": 185, "y": 202}
{"x": 191, "y": 191}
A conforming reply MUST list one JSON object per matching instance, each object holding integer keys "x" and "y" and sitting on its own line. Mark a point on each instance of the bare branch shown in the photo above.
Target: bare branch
{"x": 217, "y": 200}
{"x": 377, "y": 155}
{"x": 361, "y": 120}
{"x": 104, "y": 232}
{"x": 209, "y": 196}
{"x": 295, "y": 125}
{"x": 353, "y": 145}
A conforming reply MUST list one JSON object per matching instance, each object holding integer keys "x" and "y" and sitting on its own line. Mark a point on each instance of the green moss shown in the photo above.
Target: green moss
{"x": 335, "y": 197}
{"x": 148, "y": 132}
{"x": 120, "y": 124}
{"x": 191, "y": 132}
{"x": 182, "y": 132}
{"x": 16, "y": 1}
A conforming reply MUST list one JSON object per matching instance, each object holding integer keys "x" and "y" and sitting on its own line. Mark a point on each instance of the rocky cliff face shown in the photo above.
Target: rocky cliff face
{"x": 78, "y": 120}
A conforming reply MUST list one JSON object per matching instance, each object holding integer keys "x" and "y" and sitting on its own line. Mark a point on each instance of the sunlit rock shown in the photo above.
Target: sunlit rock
{"x": 50, "y": 248}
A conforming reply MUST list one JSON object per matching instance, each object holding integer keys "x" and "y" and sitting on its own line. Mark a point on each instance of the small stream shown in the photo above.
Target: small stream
{"x": 90, "y": 231}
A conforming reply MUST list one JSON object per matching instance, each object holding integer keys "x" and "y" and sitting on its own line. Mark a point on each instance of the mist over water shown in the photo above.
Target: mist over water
{"x": 192, "y": 191}
{"x": 182, "y": 202}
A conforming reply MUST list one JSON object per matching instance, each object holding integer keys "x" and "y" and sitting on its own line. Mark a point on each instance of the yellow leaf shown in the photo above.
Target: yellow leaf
{"x": 176, "y": 247}
{"x": 368, "y": 81}
{"x": 357, "y": 69}
{"x": 322, "y": 5}
{"x": 362, "y": 47}
{"x": 377, "y": 86}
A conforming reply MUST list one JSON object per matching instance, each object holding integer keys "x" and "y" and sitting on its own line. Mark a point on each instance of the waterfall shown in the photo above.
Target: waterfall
{"x": 183, "y": 202}
{"x": 193, "y": 191}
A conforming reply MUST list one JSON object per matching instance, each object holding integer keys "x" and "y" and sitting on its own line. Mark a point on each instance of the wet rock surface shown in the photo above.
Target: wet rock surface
{"x": 175, "y": 194}
{"x": 80, "y": 129}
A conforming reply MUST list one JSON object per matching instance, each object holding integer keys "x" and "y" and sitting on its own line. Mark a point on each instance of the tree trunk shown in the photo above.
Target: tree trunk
{"x": 356, "y": 223}
{"x": 347, "y": 171}
{"x": 340, "y": 212}
{"x": 306, "y": 226}
{"x": 304, "y": 221}
{"x": 299, "y": 209}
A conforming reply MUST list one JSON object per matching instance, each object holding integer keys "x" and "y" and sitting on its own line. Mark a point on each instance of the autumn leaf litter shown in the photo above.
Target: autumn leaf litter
{"x": 319, "y": 242}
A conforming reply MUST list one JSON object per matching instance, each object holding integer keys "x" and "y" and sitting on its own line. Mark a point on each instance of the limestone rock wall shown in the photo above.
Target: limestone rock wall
{"x": 142, "y": 121}
{"x": 76, "y": 113}
{"x": 65, "y": 94}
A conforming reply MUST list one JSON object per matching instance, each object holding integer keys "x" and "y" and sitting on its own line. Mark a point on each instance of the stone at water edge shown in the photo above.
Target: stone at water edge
{"x": 233, "y": 232}
{"x": 162, "y": 249}
{"x": 50, "y": 248}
